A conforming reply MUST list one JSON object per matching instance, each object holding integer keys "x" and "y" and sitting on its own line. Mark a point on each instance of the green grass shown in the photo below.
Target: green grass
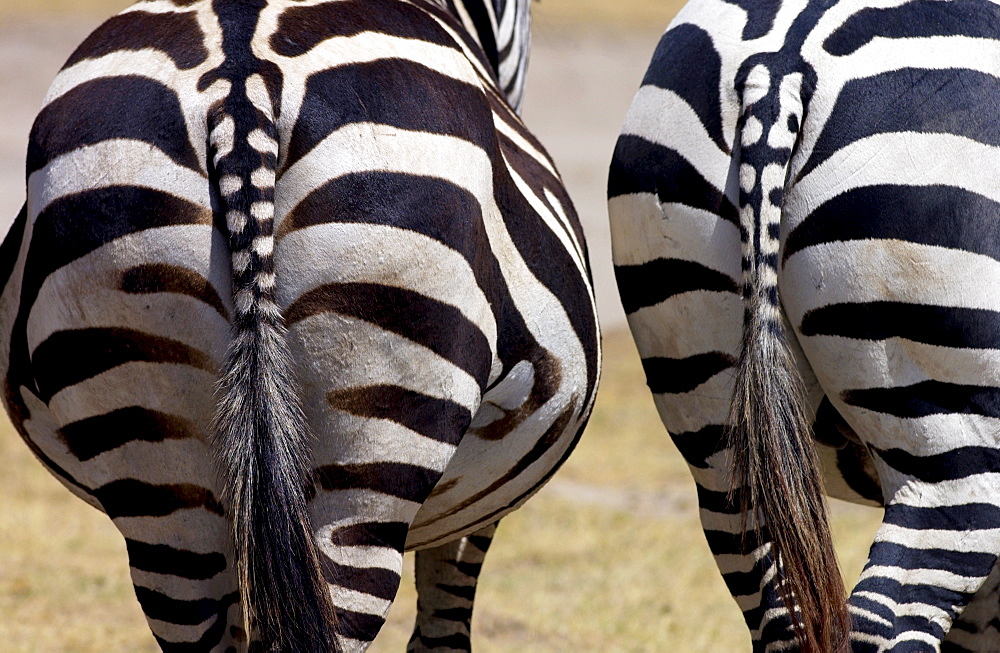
{"x": 608, "y": 557}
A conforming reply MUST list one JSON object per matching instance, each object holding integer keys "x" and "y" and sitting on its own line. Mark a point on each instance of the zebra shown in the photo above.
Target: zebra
{"x": 294, "y": 291}
{"x": 803, "y": 205}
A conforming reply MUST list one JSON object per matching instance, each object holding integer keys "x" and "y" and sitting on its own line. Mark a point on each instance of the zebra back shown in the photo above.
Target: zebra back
{"x": 502, "y": 29}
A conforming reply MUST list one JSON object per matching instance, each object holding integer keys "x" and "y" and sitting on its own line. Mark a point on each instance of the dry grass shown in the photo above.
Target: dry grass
{"x": 609, "y": 557}
{"x": 84, "y": 7}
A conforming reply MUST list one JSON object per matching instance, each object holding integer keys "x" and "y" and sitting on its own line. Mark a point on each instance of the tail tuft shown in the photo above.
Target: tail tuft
{"x": 775, "y": 462}
{"x": 774, "y": 458}
{"x": 261, "y": 437}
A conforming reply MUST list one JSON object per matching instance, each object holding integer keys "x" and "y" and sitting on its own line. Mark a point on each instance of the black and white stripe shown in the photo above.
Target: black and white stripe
{"x": 334, "y": 208}
{"x": 503, "y": 30}
{"x": 446, "y": 588}
{"x": 847, "y": 153}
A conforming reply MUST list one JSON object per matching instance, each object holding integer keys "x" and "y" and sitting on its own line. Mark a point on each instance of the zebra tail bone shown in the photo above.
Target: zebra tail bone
{"x": 261, "y": 439}
{"x": 775, "y": 465}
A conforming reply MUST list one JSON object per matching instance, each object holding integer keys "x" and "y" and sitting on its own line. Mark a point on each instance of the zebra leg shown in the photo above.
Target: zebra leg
{"x": 446, "y": 588}
{"x": 363, "y": 513}
{"x": 851, "y": 476}
{"x": 185, "y": 585}
{"x": 363, "y": 549}
{"x": 977, "y": 629}
{"x": 691, "y": 377}
{"x": 924, "y": 405}
{"x": 923, "y": 412}
{"x": 940, "y": 534}
{"x": 936, "y": 547}
{"x": 129, "y": 433}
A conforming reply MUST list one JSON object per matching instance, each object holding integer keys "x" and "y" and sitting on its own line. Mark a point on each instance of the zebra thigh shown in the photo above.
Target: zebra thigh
{"x": 686, "y": 314}
{"x": 903, "y": 340}
{"x": 125, "y": 345}
{"x": 393, "y": 361}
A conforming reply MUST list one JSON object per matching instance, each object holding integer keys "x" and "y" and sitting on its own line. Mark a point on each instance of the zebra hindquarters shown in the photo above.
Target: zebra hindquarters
{"x": 892, "y": 289}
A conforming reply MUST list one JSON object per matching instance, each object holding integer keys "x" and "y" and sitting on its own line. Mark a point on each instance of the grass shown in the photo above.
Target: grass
{"x": 608, "y": 557}
{"x": 80, "y": 7}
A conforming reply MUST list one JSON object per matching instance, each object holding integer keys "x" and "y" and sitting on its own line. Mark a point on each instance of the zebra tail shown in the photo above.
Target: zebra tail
{"x": 776, "y": 469}
{"x": 260, "y": 435}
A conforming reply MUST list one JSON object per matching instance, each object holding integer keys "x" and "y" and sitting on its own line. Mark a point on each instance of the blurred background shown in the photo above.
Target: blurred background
{"x": 608, "y": 557}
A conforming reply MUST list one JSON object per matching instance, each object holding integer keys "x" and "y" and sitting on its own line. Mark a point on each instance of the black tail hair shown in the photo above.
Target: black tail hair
{"x": 260, "y": 433}
{"x": 774, "y": 458}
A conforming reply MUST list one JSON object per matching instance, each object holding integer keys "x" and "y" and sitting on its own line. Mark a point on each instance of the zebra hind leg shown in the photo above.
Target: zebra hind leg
{"x": 184, "y": 582}
{"x": 446, "y": 588}
{"x": 977, "y": 628}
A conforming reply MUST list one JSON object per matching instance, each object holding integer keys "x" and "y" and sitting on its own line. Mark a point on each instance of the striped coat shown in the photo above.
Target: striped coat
{"x": 803, "y": 204}
{"x": 294, "y": 290}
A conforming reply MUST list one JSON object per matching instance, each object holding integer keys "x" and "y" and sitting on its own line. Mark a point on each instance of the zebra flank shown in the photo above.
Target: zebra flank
{"x": 776, "y": 471}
